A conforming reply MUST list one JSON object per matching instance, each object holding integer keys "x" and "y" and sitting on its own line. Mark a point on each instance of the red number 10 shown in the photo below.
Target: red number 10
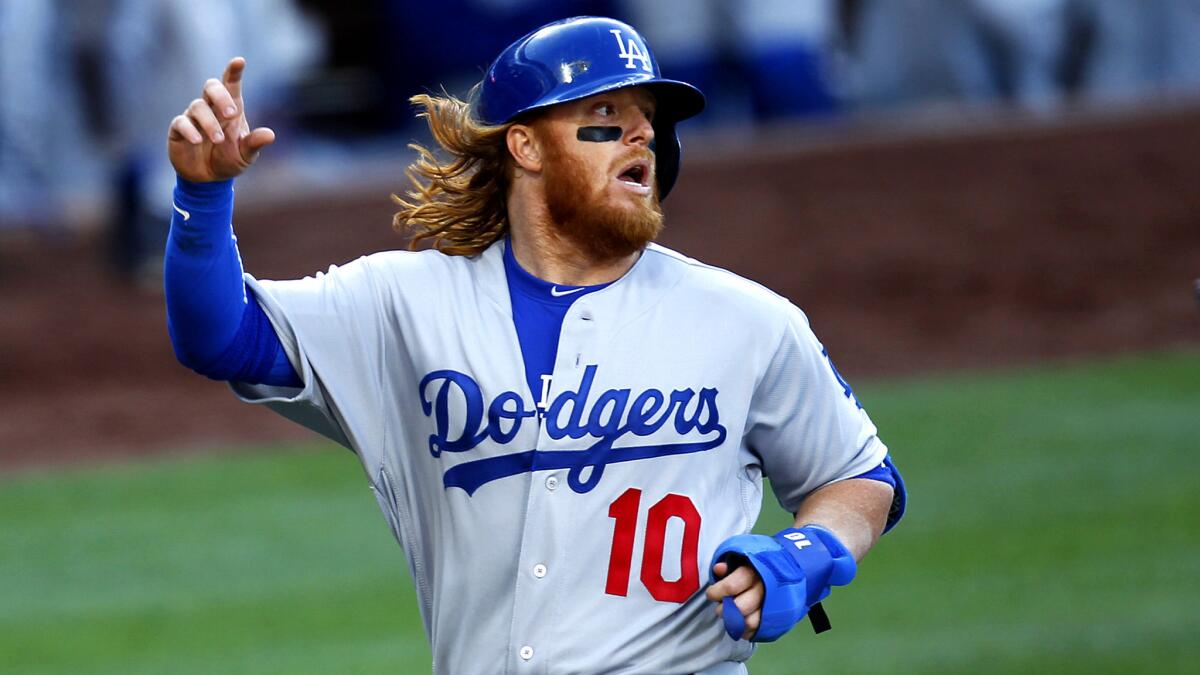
{"x": 625, "y": 511}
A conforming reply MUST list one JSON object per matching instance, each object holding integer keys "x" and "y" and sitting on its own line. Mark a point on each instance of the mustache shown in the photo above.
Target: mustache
{"x": 634, "y": 156}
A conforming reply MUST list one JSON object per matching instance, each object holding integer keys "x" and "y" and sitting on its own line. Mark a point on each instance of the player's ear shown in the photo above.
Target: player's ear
{"x": 525, "y": 148}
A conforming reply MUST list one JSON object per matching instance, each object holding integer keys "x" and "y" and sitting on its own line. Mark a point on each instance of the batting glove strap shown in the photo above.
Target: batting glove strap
{"x": 797, "y": 567}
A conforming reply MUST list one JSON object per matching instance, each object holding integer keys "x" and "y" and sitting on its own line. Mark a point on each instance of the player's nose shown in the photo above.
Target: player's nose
{"x": 640, "y": 131}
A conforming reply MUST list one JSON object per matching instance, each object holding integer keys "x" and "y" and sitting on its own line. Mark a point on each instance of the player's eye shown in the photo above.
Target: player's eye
{"x": 606, "y": 110}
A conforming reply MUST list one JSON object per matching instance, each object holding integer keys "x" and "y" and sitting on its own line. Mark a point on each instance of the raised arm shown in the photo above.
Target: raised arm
{"x": 215, "y": 328}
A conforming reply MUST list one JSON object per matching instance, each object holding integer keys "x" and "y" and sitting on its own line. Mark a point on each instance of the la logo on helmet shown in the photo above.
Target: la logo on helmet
{"x": 630, "y": 51}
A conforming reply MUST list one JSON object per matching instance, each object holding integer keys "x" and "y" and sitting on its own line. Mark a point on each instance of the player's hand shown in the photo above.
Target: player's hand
{"x": 212, "y": 140}
{"x": 747, "y": 590}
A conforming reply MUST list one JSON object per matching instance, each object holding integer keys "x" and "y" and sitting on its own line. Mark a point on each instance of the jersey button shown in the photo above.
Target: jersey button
{"x": 526, "y": 652}
{"x": 539, "y": 570}
{"x": 551, "y": 482}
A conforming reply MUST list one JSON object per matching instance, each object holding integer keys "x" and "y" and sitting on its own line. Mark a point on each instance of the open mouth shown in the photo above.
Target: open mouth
{"x": 636, "y": 176}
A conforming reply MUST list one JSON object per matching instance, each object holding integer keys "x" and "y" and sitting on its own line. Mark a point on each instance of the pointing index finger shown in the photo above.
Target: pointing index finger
{"x": 233, "y": 76}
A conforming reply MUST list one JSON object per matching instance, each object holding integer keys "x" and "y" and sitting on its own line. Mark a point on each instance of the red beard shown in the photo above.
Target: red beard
{"x": 583, "y": 216}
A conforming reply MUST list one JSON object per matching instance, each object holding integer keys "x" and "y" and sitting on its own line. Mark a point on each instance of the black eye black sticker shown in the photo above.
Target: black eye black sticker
{"x": 600, "y": 134}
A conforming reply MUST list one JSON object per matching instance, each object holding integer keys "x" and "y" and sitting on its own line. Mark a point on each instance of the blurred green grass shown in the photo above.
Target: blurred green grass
{"x": 1052, "y": 528}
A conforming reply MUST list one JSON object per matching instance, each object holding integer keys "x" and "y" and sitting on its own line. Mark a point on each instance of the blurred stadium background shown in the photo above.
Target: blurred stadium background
{"x": 988, "y": 208}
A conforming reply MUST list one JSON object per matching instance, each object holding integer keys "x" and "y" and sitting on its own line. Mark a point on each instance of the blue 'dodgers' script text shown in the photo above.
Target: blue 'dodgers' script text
{"x": 611, "y": 415}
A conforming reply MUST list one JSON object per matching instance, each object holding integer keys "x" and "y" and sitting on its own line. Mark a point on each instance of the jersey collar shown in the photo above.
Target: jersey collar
{"x": 524, "y": 283}
{"x": 642, "y": 287}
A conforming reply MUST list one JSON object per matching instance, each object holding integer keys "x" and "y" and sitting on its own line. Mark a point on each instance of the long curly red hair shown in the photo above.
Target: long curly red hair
{"x": 457, "y": 205}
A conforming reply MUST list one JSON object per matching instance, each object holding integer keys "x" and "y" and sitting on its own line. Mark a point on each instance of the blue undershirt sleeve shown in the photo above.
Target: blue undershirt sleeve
{"x": 215, "y": 328}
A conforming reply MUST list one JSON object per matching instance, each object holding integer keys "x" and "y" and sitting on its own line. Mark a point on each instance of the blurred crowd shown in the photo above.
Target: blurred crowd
{"x": 88, "y": 87}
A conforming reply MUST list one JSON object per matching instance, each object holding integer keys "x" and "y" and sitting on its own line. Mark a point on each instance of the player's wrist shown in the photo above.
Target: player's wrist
{"x": 203, "y": 195}
{"x": 824, "y": 559}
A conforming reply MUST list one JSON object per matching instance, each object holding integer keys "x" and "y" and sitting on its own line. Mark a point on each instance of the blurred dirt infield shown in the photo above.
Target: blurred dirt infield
{"x": 909, "y": 251}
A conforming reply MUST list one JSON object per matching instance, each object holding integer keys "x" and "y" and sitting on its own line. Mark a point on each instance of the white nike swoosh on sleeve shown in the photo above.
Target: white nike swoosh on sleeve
{"x": 183, "y": 213}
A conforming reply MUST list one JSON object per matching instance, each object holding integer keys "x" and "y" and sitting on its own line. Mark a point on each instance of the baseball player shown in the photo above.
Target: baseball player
{"x": 565, "y": 425}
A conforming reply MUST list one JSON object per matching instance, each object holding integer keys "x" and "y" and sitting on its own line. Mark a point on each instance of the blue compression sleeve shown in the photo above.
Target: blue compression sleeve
{"x": 214, "y": 328}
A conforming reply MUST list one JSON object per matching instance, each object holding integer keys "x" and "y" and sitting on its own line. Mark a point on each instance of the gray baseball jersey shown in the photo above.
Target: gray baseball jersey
{"x": 575, "y": 540}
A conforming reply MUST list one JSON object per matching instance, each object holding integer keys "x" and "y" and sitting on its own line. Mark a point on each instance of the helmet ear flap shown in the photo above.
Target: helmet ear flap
{"x": 579, "y": 57}
{"x": 666, "y": 157}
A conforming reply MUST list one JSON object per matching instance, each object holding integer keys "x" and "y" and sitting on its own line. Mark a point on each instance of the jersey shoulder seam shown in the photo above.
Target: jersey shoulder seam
{"x": 678, "y": 257}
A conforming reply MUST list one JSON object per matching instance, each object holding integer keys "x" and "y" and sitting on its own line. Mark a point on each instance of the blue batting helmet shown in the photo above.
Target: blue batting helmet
{"x": 579, "y": 57}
